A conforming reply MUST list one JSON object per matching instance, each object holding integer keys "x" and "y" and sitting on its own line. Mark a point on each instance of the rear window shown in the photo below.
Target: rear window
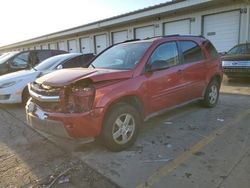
{"x": 191, "y": 52}
{"x": 211, "y": 50}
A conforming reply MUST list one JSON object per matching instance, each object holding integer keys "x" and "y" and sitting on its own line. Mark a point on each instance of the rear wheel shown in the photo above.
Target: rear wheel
{"x": 121, "y": 127}
{"x": 212, "y": 94}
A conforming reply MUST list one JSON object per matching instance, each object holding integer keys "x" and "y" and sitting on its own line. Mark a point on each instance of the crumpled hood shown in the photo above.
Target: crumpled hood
{"x": 66, "y": 77}
{"x": 16, "y": 76}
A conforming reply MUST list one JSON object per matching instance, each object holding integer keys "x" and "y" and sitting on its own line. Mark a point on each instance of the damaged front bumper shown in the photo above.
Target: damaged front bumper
{"x": 76, "y": 126}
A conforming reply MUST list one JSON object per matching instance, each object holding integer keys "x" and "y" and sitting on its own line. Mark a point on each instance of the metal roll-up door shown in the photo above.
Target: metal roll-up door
{"x": 144, "y": 32}
{"x": 222, "y": 29}
{"x": 181, "y": 27}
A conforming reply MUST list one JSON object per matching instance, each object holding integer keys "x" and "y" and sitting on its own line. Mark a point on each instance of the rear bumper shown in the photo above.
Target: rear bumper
{"x": 65, "y": 125}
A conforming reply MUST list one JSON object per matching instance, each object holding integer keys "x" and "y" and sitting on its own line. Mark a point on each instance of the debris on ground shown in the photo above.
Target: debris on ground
{"x": 220, "y": 119}
{"x": 158, "y": 160}
{"x": 168, "y": 123}
{"x": 193, "y": 127}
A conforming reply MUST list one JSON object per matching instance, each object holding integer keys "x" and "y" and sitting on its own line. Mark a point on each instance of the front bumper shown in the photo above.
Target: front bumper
{"x": 65, "y": 125}
{"x": 10, "y": 98}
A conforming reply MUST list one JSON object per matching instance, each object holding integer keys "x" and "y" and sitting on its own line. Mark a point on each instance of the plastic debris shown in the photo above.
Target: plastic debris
{"x": 220, "y": 119}
{"x": 64, "y": 179}
{"x": 157, "y": 160}
{"x": 169, "y": 145}
{"x": 168, "y": 122}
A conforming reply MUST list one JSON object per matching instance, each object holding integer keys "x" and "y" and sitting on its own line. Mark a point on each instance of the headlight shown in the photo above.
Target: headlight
{"x": 8, "y": 84}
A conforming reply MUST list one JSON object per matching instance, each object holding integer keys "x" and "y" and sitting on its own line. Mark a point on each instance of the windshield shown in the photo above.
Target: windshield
{"x": 52, "y": 61}
{"x": 122, "y": 56}
{"x": 240, "y": 49}
{"x": 7, "y": 56}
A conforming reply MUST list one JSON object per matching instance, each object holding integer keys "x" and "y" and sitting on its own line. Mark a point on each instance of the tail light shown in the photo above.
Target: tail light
{"x": 80, "y": 99}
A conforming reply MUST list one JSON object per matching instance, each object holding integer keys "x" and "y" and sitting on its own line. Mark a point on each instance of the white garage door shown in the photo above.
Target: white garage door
{"x": 61, "y": 45}
{"x": 44, "y": 46}
{"x": 119, "y": 36}
{"x": 100, "y": 43}
{"x": 52, "y": 46}
{"x": 85, "y": 45}
{"x": 222, "y": 29}
{"x": 38, "y": 47}
{"x": 144, "y": 32}
{"x": 72, "y": 46}
{"x": 181, "y": 27}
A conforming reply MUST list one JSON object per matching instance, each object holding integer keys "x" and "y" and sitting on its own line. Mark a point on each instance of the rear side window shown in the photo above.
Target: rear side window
{"x": 42, "y": 55}
{"x": 211, "y": 50}
{"x": 75, "y": 62}
{"x": 191, "y": 52}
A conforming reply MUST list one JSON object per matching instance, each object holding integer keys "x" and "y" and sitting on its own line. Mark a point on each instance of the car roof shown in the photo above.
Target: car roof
{"x": 159, "y": 38}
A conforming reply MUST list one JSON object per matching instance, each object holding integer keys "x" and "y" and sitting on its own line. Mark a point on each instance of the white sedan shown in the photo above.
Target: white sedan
{"x": 13, "y": 86}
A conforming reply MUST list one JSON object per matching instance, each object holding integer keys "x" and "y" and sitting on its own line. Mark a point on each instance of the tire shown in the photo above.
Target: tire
{"x": 212, "y": 94}
{"x": 25, "y": 96}
{"x": 121, "y": 127}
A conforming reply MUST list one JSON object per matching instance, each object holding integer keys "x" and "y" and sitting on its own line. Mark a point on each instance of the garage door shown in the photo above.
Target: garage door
{"x": 144, "y": 32}
{"x": 72, "y": 46}
{"x": 222, "y": 29}
{"x": 85, "y": 45}
{"x": 52, "y": 46}
{"x": 100, "y": 43}
{"x": 119, "y": 36}
{"x": 44, "y": 46}
{"x": 178, "y": 27}
{"x": 38, "y": 47}
{"x": 61, "y": 45}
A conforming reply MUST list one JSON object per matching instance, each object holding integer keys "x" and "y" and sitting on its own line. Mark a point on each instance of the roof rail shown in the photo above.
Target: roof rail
{"x": 130, "y": 40}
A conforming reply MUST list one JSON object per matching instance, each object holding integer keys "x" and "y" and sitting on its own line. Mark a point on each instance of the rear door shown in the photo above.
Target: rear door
{"x": 193, "y": 70}
{"x": 163, "y": 85}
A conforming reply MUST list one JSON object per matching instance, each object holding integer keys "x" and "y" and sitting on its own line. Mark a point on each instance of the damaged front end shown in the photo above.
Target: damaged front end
{"x": 65, "y": 111}
{"x": 75, "y": 98}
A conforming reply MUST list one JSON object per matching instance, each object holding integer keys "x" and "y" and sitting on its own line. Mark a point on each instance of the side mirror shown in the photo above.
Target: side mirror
{"x": 59, "y": 67}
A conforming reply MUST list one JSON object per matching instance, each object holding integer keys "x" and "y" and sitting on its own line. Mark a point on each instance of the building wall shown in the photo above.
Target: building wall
{"x": 196, "y": 26}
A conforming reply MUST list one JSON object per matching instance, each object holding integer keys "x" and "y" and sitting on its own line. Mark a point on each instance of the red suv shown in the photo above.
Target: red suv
{"x": 125, "y": 85}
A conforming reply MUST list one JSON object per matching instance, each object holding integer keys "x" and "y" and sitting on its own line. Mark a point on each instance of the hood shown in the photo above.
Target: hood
{"x": 15, "y": 76}
{"x": 243, "y": 57}
{"x": 66, "y": 77}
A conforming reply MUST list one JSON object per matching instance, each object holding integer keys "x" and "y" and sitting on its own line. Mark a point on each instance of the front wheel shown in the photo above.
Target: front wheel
{"x": 212, "y": 94}
{"x": 121, "y": 127}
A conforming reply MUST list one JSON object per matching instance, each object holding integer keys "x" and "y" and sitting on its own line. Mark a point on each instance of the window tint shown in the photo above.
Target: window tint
{"x": 75, "y": 62}
{"x": 166, "y": 54}
{"x": 211, "y": 49}
{"x": 42, "y": 55}
{"x": 20, "y": 60}
{"x": 191, "y": 52}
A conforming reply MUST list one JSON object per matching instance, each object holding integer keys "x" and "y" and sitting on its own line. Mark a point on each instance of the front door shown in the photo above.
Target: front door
{"x": 164, "y": 79}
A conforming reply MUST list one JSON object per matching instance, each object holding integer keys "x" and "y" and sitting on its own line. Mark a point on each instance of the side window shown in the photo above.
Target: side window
{"x": 211, "y": 50}
{"x": 42, "y": 55}
{"x": 21, "y": 60}
{"x": 191, "y": 52}
{"x": 75, "y": 62}
{"x": 165, "y": 55}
